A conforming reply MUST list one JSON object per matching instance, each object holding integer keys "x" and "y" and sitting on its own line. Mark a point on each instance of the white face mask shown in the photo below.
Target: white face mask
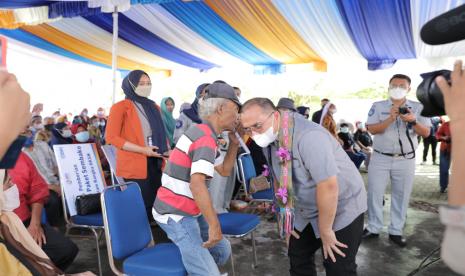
{"x": 67, "y": 133}
{"x": 344, "y": 129}
{"x": 263, "y": 140}
{"x": 333, "y": 111}
{"x": 143, "y": 90}
{"x": 11, "y": 196}
{"x": 397, "y": 93}
{"x": 39, "y": 126}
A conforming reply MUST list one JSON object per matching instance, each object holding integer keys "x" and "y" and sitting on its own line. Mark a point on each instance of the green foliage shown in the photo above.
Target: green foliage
{"x": 368, "y": 93}
{"x": 300, "y": 99}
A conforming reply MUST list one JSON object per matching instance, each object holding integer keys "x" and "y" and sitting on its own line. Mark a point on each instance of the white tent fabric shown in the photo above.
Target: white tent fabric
{"x": 424, "y": 10}
{"x": 33, "y": 16}
{"x": 85, "y": 31}
{"x": 110, "y": 5}
{"x": 162, "y": 23}
{"x": 319, "y": 23}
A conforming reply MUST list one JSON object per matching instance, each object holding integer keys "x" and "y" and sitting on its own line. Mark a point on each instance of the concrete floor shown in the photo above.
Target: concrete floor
{"x": 376, "y": 257}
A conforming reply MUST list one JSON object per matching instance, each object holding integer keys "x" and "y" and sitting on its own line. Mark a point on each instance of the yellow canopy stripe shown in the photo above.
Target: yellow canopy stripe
{"x": 86, "y": 50}
{"x": 8, "y": 20}
{"x": 262, "y": 24}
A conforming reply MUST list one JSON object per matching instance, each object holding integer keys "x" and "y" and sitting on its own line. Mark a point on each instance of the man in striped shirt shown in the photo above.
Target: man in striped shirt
{"x": 183, "y": 207}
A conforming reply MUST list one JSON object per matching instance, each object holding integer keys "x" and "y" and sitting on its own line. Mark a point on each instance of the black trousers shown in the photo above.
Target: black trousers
{"x": 426, "y": 143}
{"x": 59, "y": 248}
{"x": 54, "y": 209}
{"x": 149, "y": 186}
{"x": 302, "y": 251}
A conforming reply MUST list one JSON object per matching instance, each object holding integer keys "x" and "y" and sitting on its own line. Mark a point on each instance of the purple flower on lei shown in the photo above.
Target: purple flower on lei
{"x": 266, "y": 171}
{"x": 283, "y": 154}
{"x": 282, "y": 194}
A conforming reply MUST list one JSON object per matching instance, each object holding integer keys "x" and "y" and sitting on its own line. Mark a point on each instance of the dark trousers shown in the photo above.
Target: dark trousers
{"x": 444, "y": 166}
{"x": 149, "y": 186}
{"x": 59, "y": 248}
{"x": 302, "y": 251}
{"x": 426, "y": 143}
{"x": 54, "y": 210}
{"x": 357, "y": 158}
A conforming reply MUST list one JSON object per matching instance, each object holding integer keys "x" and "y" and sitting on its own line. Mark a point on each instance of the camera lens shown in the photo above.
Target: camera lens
{"x": 429, "y": 94}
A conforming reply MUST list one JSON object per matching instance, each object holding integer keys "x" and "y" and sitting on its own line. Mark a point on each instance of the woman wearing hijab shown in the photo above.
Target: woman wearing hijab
{"x": 61, "y": 135}
{"x": 189, "y": 116}
{"x": 135, "y": 127}
{"x": 167, "y": 107}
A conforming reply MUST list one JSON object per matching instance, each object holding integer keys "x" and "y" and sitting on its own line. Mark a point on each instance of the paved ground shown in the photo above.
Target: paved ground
{"x": 376, "y": 257}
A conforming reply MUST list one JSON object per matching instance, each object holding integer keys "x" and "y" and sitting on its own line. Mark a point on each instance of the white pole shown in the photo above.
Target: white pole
{"x": 114, "y": 64}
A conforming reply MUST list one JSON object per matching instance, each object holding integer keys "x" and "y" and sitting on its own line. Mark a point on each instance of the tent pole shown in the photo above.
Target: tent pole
{"x": 114, "y": 64}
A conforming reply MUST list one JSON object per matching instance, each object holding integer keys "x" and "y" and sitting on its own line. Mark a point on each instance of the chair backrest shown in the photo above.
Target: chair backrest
{"x": 247, "y": 172}
{"x": 110, "y": 154}
{"x": 126, "y": 226}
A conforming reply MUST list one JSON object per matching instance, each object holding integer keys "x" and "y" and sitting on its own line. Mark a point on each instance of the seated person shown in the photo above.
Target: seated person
{"x": 363, "y": 139}
{"x": 45, "y": 162}
{"x": 94, "y": 130}
{"x": 33, "y": 194}
{"x": 349, "y": 145}
{"x": 61, "y": 134}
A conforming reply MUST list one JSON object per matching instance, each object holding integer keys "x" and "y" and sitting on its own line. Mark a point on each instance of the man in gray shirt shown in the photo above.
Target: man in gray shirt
{"x": 395, "y": 124}
{"x": 330, "y": 197}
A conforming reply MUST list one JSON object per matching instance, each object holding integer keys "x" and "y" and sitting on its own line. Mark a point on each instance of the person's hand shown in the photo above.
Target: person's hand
{"x": 454, "y": 94}
{"x": 409, "y": 117}
{"x": 37, "y": 233}
{"x": 14, "y": 106}
{"x": 288, "y": 237}
{"x": 214, "y": 236}
{"x": 37, "y": 109}
{"x": 331, "y": 245}
{"x": 151, "y": 151}
{"x": 394, "y": 112}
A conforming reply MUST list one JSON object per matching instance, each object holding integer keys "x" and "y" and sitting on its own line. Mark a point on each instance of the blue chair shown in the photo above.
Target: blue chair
{"x": 110, "y": 154}
{"x": 92, "y": 222}
{"x": 246, "y": 171}
{"x": 238, "y": 225}
{"x": 129, "y": 237}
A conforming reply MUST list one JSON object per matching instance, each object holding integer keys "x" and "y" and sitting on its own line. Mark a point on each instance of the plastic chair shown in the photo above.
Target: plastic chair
{"x": 128, "y": 236}
{"x": 246, "y": 171}
{"x": 110, "y": 155}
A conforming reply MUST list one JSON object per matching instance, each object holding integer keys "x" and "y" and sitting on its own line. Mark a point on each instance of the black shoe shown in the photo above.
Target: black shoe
{"x": 368, "y": 235}
{"x": 398, "y": 239}
{"x": 443, "y": 190}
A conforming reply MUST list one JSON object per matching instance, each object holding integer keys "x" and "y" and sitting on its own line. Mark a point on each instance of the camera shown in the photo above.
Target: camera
{"x": 429, "y": 94}
{"x": 403, "y": 110}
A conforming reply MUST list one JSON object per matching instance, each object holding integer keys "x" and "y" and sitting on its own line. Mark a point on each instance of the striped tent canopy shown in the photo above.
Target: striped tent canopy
{"x": 163, "y": 35}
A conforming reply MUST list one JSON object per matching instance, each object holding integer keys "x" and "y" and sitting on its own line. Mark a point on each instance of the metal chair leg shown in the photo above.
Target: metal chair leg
{"x": 254, "y": 250}
{"x": 232, "y": 263}
{"x": 98, "y": 250}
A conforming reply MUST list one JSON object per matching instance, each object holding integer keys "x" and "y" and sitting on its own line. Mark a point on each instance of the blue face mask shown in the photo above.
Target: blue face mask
{"x": 82, "y": 137}
{"x": 29, "y": 142}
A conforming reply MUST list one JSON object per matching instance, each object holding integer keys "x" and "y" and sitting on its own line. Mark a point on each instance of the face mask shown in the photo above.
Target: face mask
{"x": 96, "y": 124}
{"x": 397, "y": 93}
{"x": 333, "y": 111}
{"x": 361, "y": 126}
{"x": 29, "y": 142}
{"x": 263, "y": 140}
{"x": 84, "y": 114}
{"x": 11, "y": 196}
{"x": 143, "y": 90}
{"x": 82, "y": 137}
{"x": 66, "y": 133}
{"x": 344, "y": 129}
{"x": 39, "y": 126}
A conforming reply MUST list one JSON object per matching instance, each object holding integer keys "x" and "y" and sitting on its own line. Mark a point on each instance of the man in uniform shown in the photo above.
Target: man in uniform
{"x": 329, "y": 195}
{"x": 395, "y": 124}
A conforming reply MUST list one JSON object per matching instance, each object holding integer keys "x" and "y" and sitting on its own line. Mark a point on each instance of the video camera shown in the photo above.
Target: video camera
{"x": 446, "y": 28}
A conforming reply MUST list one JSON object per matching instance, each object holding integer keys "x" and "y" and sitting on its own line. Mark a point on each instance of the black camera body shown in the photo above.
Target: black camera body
{"x": 403, "y": 110}
{"x": 429, "y": 94}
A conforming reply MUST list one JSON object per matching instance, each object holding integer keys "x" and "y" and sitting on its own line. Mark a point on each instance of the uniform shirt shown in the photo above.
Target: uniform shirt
{"x": 183, "y": 123}
{"x": 317, "y": 156}
{"x": 194, "y": 153}
{"x": 388, "y": 141}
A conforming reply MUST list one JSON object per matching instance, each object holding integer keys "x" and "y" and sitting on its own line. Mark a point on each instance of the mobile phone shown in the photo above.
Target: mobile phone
{"x": 12, "y": 154}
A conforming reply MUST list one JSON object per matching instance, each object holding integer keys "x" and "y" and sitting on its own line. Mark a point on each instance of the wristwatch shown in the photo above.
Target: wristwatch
{"x": 452, "y": 215}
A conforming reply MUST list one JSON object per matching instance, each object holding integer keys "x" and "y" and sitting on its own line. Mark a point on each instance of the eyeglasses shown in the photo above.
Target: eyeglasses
{"x": 257, "y": 127}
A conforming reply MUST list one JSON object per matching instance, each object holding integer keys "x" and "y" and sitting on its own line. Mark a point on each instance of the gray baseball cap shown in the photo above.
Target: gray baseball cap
{"x": 222, "y": 90}
{"x": 286, "y": 103}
